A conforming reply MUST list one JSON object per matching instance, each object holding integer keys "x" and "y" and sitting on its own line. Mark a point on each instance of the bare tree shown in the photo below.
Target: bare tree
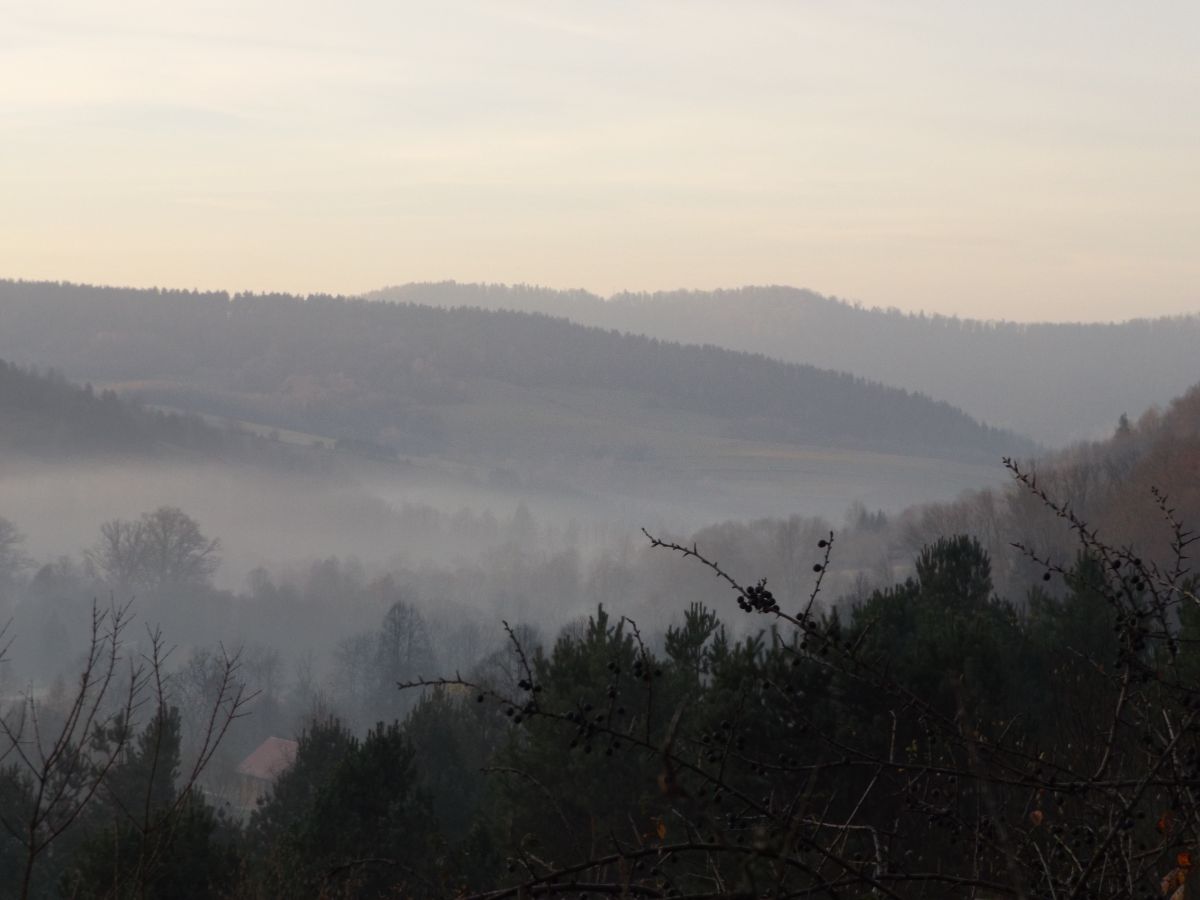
{"x": 66, "y": 765}
{"x": 12, "y": 557}
{"x": 177, "y": 552}
{"x": 163, "y": 548}
{"x": 117, "y": 555}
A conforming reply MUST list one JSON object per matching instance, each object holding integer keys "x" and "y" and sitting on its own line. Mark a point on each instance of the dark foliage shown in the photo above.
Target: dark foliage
{"x": 937, "y": 743}
{"x": 347, "y": 816}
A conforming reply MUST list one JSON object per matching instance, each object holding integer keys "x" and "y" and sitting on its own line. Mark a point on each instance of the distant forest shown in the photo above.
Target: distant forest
{"x": 985, "y": 697}
{"x": 1055, "y": 382}
{"x": 925, "y": 738}
{"x": 388, "y": 374}
{"x": 45, "y": 416}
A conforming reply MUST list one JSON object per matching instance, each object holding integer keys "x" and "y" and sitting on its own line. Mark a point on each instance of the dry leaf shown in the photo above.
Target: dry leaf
{"x": 1172, "y": 884}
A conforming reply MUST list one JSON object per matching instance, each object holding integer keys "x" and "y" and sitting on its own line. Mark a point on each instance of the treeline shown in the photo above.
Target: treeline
{"x": 933, "y": 740}
{"x": 1117, "y": 485}
{"x": 42, "y": 415}
{"x": 930, "y": 735}
{"x": 388, "y": 373}
{"x": 1056, "y": 382}
{"x": 464, "y": 568}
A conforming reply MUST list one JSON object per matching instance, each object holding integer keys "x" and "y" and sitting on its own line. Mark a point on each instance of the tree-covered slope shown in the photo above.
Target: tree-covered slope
{"x": 45, "y": 416}
{"x": 1055, "y": 382}
{"x": 463, "y": 381}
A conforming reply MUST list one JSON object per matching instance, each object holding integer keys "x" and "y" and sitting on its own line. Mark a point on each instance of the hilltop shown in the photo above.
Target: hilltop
{"x": 525, "y": 397}
{"x": 1055, "y": 382}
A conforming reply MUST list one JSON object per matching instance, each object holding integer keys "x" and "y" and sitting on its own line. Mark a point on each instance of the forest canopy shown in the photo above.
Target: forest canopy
{"x": 396, "y": 373}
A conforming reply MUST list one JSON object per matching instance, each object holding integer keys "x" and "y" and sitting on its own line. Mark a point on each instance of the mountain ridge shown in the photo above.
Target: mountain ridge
{"x": 338, "y": 362}
{"x": 1057, "y": 382}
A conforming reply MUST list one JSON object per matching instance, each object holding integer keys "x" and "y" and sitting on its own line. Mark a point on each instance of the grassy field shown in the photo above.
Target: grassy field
{"x": 616, "y": 446}
{"x": 622, "y": 456}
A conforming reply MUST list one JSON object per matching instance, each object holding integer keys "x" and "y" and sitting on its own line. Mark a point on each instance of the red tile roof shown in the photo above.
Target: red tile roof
{"x": 271, "y": 758}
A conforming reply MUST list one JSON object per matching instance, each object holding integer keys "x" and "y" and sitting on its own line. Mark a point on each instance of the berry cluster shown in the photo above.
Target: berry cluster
{"x": 757, "y": 598}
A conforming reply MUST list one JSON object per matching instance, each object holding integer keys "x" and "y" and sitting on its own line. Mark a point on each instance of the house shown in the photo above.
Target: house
{"x": 258, "y": 771}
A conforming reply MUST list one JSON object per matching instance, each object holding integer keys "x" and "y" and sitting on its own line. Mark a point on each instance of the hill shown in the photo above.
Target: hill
{"x": 524, "y": 396}
{"x": 1115, "y": 485}
{"x": 43, "y": 416}
{"x": 1055, "y": 382}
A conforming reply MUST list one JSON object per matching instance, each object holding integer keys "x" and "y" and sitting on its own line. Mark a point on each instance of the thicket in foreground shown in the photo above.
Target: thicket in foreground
{"x": 933, "y": 740}
{"x": 95, "y": 797}
{"x": 939, "y": 742}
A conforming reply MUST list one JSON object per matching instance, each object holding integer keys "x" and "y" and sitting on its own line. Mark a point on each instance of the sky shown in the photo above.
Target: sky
{"x": 1023, "y": 160}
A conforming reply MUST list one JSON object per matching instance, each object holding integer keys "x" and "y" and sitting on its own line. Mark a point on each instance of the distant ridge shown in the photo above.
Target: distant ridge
{"x": 459, "y": 381}
{"x": 1055, "y": 382}
{"x": 44, "y": 416}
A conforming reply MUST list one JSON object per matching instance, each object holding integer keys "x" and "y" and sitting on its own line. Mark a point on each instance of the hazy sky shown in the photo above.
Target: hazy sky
{"x": 1021, "y": 159}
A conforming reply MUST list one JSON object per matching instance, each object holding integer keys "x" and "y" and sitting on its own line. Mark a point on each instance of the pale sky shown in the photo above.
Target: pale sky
{"x": 1020, "y": 160}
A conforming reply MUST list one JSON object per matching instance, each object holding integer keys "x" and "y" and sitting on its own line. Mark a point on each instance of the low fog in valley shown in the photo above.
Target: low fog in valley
{"x": 526, "y": 450}
{"x": 317, "y": 539}
{"x": 300, "y": 519}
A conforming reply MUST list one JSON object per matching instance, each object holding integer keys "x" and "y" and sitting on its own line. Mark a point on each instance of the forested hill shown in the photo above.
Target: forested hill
{"x": 1117, "y": 486}
{"x": 1055, "y": 382}
{"x": 44, "y": 416}
{"x": 422, "y": 379}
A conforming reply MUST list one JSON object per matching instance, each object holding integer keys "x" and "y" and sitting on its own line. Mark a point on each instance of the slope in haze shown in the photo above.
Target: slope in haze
{"x": 523, "y": 398}
{"x": 1055, "y": 382}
